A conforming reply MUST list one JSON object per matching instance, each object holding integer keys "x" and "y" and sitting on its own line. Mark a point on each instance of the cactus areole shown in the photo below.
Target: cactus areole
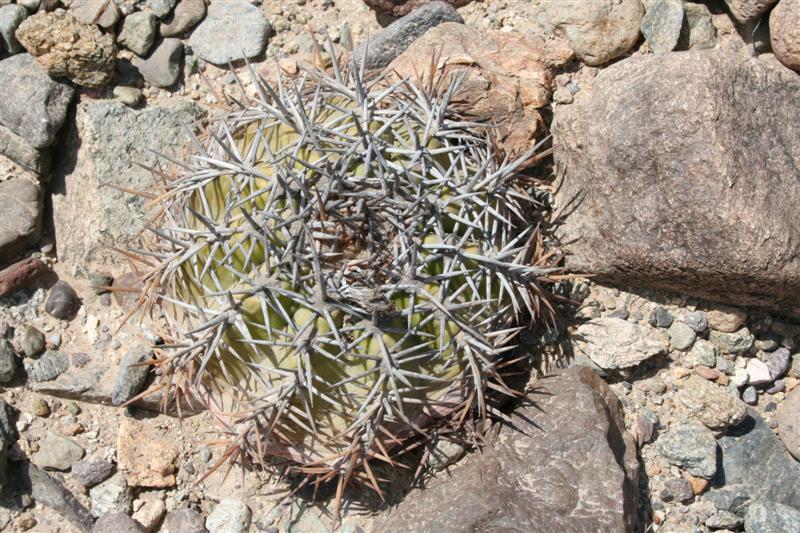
{"x": 343, "y": 265}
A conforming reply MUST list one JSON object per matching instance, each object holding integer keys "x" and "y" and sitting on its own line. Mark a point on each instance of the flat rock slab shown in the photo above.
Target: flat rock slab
{"x": 111, "y": 141}
{"x": 614, "y": 343}
{"x": 569, "y": 466}
{"x": 682, "y": 171}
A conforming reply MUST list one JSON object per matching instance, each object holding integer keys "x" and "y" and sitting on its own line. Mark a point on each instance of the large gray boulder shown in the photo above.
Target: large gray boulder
{"x": 91, "y": 209}
{"x": 565, "y": 464}
{"x": 682, "y": 171}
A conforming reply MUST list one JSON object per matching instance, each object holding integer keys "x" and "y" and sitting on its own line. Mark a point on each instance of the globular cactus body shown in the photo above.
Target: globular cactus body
{"x": 342, "y": 266}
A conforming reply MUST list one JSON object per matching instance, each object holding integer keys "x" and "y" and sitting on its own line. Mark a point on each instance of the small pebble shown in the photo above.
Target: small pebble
{"x": 660, "y": 318}
{"x": 778, "y": 386}
{"x": 40, "y": 408}
{"x": 711, "y": 374}
{"x": 750, "y": 395}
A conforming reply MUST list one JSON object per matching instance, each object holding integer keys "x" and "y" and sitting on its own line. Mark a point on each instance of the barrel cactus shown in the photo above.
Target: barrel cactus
{"x": 343, "y": 266}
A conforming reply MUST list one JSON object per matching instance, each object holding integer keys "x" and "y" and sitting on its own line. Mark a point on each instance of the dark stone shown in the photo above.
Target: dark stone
{"x": 660, "y": 318}
{"x": 705, "y": 147}
{"x": 32, "y": 342}
{"x": 47, "y": 367}
{"x": 8, "y": 361}
{"x": 21, "y": 208}
{"x": 23, "y": 154}
{"x": 163, "y": 66}
{"x": 661, "y": 25}
{"x": 116, "y": 523}
{"x": 400, "y": 8}
{"x": 131, "y": 378}
{"x": 62, "y": 302}
{"x": 754, "y": 459}
{"x": 566, "y": 464}
{"x": 392, "y": 41}
{"x": 8, "y": 436}
{"x": 184, "y": 521}
{"x": 91, "y": 473}
{"x": 778, "y": 362}
{"x": 46, "y": 490}
{"x": 32, "y": 104}
{"x": 186, "y": 15}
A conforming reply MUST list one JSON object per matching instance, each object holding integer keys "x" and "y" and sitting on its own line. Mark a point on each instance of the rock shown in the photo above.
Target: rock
{"x": 677, "y": 489}
{"x": 57, "y": 452}
{"x": 681, "y": 336}
{"x": 703, "y": 353}
{"x": 232, "y": 31}
{"x": 89, "y": 61}
{"x": 149, "y": 514}
{"x": 11, "y": 16}
{"x": 789, "y": 423}
{"x": 131, "y": 377}
{"x": 163, "y": 66}
{"x": 711, "y": 404}
{"x": 747, "y": 10}
{"x": 91, "y": 473}
{"x": 130, "y": 96}
{"x": 687, "y": 149}
{"x": 393, "y": 40}
{"x": 598, "y": 31}
{"x": 736, "y": 343}
{"x": 183, "y": 521}
{"x": 726, "y": 319}
{"x": 8, "y": 361}
{"x": 161, "y": 8}
{"x": 778, "y": 362}
{"x": 784, "y": 31}
{"x": 660, "y": 318}
{"x": 613, "y": 343}
{"x": 116, "y": 523}
{"x": 691, "y": 446}
{"x": 21, "y": 206}
{"x": 569, "y": 466}
{"x": 16, "y": 153}
{"x": 21, "y": 275}
{"x": 229, "y": 516}
{"x": 104, "y": 13}
{"x": 754, "y": 462}
{"x": 661, "y": 25}
{"x": 62, "y": 301}
{"x": 48, "y": 491}
{"x": 146, "y": 459}
{"x": 186, "y": 15}
{"x": 40, "y": 408}
{"x": 711, "y": 374}
{"x": 724, "y": 520}
{"x": 113, "y": 139}
{"x": 32, "y": 342}
{"x": 771, "y": 517}
{"x": 33, "y": 105}
{"x": 111, "y": 496}
{"x": 508, "y": 77}
{"x": 138, "y": 32}
{"x": 699, "y": 32}
{"x": 697, "y": 320}
{"x": 758, "y": 372}
{"x": 401, "y": 8}
{"x": 750, "y": 395}
{"x": 47, "y": 367}
{"x": 8, "y": 437}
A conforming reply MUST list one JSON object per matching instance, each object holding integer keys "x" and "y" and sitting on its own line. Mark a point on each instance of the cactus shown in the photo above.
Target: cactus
{"x": 342, "y": 266}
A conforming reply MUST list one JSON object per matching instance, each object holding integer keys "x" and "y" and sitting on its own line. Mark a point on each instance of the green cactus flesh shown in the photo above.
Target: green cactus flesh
{"x": 342, "y": 266}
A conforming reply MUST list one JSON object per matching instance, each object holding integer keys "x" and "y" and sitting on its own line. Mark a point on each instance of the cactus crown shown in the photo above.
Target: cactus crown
{"x": 342, "y": 265}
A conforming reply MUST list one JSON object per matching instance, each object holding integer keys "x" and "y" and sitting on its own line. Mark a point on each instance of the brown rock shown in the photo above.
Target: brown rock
{"x": 567, "y": 465}
{"x": 146, "y": 458}
{"x": 22, "y": 274}
{"x": 747, "y": 10}
{"x": 399, "y": 8}
{"x": 789, "y": 423}
{"x": 680, "y": 172}
{"x": 186, "y": 15}
{"x": 784, "y": 32}
{"x": 65, "y": 47}
{"x": 699, "y": 485}
{"x": 726, "y": 319}
{"x": 711, "y": 374}
{"x": 104, "y": 13}
{"x": 509, "y": 76}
